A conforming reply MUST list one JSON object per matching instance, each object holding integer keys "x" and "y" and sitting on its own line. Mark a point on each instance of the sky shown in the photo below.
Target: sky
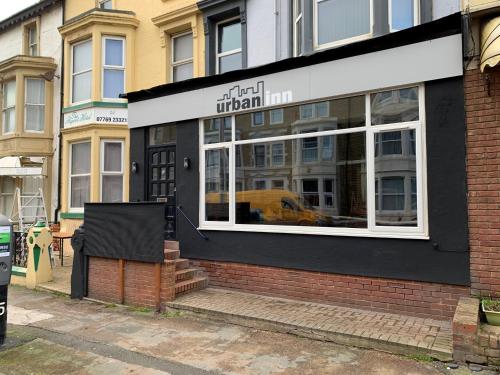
{"x": 9, "y": 7}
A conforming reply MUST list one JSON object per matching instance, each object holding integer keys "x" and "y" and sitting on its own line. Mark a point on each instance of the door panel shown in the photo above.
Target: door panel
{"x": 161, "y": 184}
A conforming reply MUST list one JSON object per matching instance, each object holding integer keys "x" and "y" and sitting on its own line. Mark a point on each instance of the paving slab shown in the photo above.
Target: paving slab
{"x": 394, "y": 333}
{"x": 183, "y": 343}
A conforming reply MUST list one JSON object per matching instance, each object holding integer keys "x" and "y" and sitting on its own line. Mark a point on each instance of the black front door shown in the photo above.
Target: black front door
{"x": 161, "y": 186}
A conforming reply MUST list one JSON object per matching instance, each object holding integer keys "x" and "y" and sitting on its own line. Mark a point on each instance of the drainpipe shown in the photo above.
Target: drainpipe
{"x": 61, "y": 124}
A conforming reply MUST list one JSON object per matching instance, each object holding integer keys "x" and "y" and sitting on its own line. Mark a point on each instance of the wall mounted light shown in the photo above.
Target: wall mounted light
{"x": 187, "y": 163}
{"x": 135, "y": 167}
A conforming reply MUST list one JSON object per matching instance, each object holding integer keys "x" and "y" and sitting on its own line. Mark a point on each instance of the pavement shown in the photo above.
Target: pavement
{"x": 51, "y": 334}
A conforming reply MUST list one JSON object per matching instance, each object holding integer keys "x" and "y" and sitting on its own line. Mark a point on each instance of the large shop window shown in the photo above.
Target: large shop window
{"x": 9, "y": 107}
{"x": 345, "y": 166}
{"x": 113, "y": 69}
{"x": 229, "y": 46}
{"x": 34, "y": 117}
{"x": 182, "y": 57}
{"x": 79, "y": 179}
{"x": 81, "y": 74}
{"x": 111, "y": 171}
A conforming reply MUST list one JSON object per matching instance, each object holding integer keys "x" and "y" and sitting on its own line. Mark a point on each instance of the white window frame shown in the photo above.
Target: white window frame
{"x": 282, "y": 115}
{"x": 33, "y": 104}
{"x": 173, "y": 63}
{"x": 297, "y": 17}
{"x": 416, "y": 14}
{"x": 418, "y": 232}
{"x": 283, "y": 154}
{"x": 102, "y": 2}
{"x": 32, "y": 43}
{"x": 256, "y": 125}
{"x": 113, "y": 67}
{"x": 227, "y": 53}
{"x": 103, "y": 173}
{"x": 73, "y": 74}
{"x": 70, "y": 175}
{"x": 358, "y": 38}
{"x": 4, "y": 109}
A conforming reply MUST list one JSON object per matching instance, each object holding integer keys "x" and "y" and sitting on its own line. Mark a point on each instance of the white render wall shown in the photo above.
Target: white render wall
{"x": 11, "y": 42}
{"x": 261, "y": 32}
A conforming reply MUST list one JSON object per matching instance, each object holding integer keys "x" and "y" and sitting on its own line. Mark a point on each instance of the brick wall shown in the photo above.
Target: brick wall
{"x": 483, "y": 179}
{"x": 414, "y": 298}
{"x": 474, "y": 341}
{"x": 139, "y": 282}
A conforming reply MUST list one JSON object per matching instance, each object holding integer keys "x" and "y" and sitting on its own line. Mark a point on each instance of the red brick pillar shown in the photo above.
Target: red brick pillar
{"x": 482, "y": 99}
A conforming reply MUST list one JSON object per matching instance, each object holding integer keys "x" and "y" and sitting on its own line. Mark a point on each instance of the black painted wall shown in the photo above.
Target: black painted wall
{"x": 444, "y": 258}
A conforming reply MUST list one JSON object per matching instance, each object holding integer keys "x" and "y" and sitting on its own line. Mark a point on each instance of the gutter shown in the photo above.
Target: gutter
{"x": 61, "y": 124}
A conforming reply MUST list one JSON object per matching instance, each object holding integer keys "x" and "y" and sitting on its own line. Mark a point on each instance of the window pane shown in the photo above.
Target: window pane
{"x": 82, "y": 56}
{"x": 183, "y": 72}
{"x": 402, "y": 14}
{"x": 230, "y": 62}
{"x": 217, "y": 185}
{"x": 113, "y": 83}
{"x": 276, "y": 116}
{"x": 112, "y": 189}
{"x": 395, "y": 106}
{"x": 82, "y": 87}
{"x": 112, "y": 157}
{"x": 80, "y": 158}
{"x": 106, "y": 4}
{"x": 9, "y": 94}
{"x": 258, "y": 118}
{"x": 183, "y": 47}
{"x": 229, "y": 36}
{"x": 396, "y": 192}
{"x": 35, "y": 91}
{"x": 35, "y": 117}
{"x": 160, "y": 135}
{"x": 217, "y": 130}
{"x": 391, "y": 143}
{"x": 80, "y": 191}
{"x": 114, "y": 52}
{"x": 307, "y": 196}
{"x": 9, "y": 120}
{"x": 342, "y": 113}
{"x": 342, "y": 19}
{"x": 277, "y": 157}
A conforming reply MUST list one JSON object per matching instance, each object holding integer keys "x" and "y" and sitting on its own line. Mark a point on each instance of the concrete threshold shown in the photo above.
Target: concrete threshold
{"x": 393, "y": 333}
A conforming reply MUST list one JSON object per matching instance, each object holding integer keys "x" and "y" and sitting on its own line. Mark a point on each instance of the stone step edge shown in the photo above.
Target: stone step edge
{"x": 314, "y": 333}
{"x": 192, "y": 271}
{"x": 194, "y": 281}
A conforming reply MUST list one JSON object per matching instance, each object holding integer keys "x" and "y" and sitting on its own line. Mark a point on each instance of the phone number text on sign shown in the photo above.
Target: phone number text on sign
{"x": 120, "y": 120}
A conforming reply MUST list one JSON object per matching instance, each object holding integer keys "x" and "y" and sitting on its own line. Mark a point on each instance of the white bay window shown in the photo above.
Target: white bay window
{"x": 79, "y": 179}
{"x": 320, "y": 172}
{"x": 113, "y": 69}
{"x": 111, "y": 171}
{"x": 81, "y": 72}
{"x": 34, "y": 115}
{"x": 9, "y": 107}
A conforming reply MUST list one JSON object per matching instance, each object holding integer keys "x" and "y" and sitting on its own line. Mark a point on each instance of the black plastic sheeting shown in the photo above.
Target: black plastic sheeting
{"x": 129, "y": 231}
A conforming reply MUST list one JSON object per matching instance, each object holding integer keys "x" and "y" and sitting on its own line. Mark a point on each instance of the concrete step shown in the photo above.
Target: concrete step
{"x": 181, "y": 264}
{"x": 171, "y": 254}
{"x": 171, "y": 245}
{"x": 186, "y": 274}
{"x": 187, "y": 286}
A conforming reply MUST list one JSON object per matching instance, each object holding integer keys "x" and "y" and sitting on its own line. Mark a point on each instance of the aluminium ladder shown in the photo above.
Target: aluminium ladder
{"x": 28, "y": 209}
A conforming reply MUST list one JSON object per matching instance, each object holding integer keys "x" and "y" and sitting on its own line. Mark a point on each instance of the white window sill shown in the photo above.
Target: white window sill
{"x": 317, "y": 231}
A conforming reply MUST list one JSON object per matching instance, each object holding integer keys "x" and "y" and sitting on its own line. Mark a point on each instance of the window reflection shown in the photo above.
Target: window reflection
{"x": 275, "y": 187}
{"x": 217, "y": 185}
{"x": 217, "y": 130}
{"x": 389, "y": 107}
{"x": 395, "y": 179}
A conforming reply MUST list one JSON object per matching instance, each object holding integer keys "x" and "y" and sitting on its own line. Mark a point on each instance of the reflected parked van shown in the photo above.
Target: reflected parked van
{"x": 277, "y": 207}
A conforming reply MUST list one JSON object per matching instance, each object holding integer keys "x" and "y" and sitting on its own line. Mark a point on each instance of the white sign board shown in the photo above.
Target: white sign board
{"x": 96, "y": 115}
